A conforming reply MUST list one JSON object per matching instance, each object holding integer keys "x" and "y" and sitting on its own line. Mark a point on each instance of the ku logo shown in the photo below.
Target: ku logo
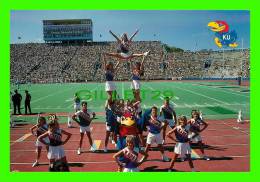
{"x": 223, "y": 36}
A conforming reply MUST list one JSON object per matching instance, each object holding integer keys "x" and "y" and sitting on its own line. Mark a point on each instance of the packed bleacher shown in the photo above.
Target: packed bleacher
{"x": 55, "y": 63}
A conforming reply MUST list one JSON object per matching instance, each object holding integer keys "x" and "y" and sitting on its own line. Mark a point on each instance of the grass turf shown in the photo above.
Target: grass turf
{"x": 216, "y": 100}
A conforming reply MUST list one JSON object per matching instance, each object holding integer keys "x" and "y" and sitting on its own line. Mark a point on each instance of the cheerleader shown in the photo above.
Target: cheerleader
{"x": 168, "y": 113}
{"x": 54, "y": 133}
{"x": 155, "y": 125}
{"x": 84, "y": 118}
{"x": 138, "y": 115}
{"x": 123, "y": 52}
{"x": 182, "y": 146}
{"x": 197, "y": 125}
{"x": 111, "y": 121}
{"x": 130, "y": 161}
{"x": 110, "y": 86}
{"x": 41, "y": 127}
{"x": 137, "y": 72}
{"x": 76, "y": 102}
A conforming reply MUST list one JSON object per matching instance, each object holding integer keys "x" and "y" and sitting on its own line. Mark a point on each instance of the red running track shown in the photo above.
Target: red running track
{"x": 226, "y": 143}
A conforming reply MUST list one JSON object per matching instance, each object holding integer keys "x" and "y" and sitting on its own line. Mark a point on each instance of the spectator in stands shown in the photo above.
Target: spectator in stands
{"x": 27, "y": 102}
{"x": 17, "y": 98}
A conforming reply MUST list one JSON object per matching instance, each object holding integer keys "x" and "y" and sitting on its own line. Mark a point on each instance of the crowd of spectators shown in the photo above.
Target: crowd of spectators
{"x": 57, "y": 63}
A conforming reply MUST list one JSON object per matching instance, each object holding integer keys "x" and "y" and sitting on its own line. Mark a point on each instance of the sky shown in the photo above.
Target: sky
{"x": 184, "y": 29}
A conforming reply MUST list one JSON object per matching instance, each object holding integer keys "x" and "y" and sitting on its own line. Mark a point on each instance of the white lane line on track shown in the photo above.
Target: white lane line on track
{"x": 45, "y": 163}
{"x": 74, "y": 150}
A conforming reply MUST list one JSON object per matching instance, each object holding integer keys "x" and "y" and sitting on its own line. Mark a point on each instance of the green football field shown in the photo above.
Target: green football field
{"x": 216, "y": 100}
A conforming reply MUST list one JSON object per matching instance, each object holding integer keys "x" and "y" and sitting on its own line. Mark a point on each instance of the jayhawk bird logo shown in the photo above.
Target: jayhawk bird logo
{"x": 223, "y": 37}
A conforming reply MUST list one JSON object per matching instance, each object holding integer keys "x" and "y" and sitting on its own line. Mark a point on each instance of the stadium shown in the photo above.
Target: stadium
{"x": 216, "y": 83}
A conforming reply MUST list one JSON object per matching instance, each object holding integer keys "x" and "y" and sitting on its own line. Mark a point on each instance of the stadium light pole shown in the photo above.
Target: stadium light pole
{"x": 155, "y": 36}
{"x": 100, "y": 37}
{"x": 19, "y": 38}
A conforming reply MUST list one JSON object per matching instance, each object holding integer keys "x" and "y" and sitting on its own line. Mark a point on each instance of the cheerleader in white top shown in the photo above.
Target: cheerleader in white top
{"x": 41, "y": 127}
{"x": 168, "y": 113}
{"x": 56, "y": 150}
{"x": 197, "y": 125}
{"x": 130, "y": 162}
{"x": 182, "y": 146}
{"x": 155, "y": 126}
{"x": 110, "y": 86}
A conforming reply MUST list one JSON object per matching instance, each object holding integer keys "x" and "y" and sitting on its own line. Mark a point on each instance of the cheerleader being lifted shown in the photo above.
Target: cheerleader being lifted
{"x": 123, "y": 53}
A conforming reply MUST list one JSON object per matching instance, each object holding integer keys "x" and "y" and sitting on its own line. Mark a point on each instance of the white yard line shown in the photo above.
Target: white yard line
{"x": 177, "y": 98}
{"x": 242, "y": 131}
{"x": 222, "y": 90}
{"x": 209, "y": 105}
{"x": 50, "y": 95}
{"x": 185, "y": 105}
{"x": 174, "y": 104}
{"x": 202, "y": 95}
{"x": 72, "y": 100}
{"x": 161, "y": 96}
{"x": 70, "y": 106}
